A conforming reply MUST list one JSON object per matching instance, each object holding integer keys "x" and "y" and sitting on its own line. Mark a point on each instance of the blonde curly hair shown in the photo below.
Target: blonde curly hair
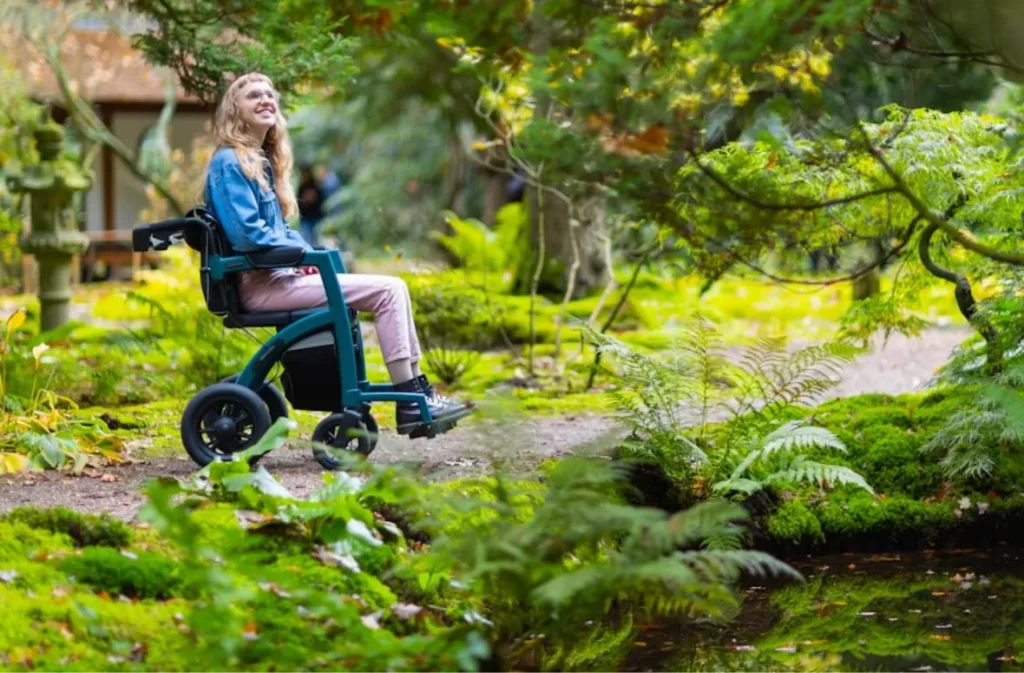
{"x": 230, "y": 131}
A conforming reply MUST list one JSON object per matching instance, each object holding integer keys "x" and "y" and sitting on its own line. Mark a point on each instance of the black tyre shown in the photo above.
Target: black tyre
{"x": 222, "y": 420}
{"x": 341, "y": 432}
{"x": 276, "y": 403}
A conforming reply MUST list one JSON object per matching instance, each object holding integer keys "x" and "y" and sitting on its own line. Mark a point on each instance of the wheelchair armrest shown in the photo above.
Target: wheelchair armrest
{"x": 162, "y": 235}
{"x": 275, "y": 257}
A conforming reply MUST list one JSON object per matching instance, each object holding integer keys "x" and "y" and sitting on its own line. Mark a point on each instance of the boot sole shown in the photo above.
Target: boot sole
{"x": 437, "y": 426}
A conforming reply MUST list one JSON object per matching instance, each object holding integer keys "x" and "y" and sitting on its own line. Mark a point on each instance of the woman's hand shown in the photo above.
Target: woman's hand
{"x": 308, "y": 270}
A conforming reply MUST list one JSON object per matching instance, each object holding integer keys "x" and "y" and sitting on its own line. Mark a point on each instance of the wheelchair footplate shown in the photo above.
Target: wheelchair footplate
{"x": 441, "y": 425}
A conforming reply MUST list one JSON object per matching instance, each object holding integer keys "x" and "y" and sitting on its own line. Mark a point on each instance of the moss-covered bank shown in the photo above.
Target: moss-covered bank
{"x": 916, "y": 504}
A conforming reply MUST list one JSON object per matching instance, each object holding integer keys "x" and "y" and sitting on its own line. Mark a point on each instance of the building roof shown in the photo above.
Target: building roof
{"x": 101, "y": 65}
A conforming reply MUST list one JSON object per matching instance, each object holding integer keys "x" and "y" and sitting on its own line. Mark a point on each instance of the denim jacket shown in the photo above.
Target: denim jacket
{"x": 251, "y": 217}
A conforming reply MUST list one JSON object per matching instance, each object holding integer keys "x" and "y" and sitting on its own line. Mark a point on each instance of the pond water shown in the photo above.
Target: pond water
{"x": 892, "y": 612}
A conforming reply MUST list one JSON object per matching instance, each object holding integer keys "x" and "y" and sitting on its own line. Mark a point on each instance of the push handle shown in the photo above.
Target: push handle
{"x": 162, "y": 235}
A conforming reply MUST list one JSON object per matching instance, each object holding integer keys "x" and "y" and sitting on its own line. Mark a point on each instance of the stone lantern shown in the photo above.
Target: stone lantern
{"x": 54, "y": 238}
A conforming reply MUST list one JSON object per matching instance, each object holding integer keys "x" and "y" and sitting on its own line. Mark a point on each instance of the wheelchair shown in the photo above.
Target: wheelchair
{"x": 320, "y": 350}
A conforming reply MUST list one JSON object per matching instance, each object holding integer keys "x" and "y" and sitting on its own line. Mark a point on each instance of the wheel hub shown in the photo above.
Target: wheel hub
{"x": 225, "y": 429}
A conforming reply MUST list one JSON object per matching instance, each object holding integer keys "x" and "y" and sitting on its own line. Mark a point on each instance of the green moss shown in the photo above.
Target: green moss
{"x": 21, "y": 546}
{"x": 847, "y": 515}
{"x": 72, "y": 630}
{"x": 84, "y": 529}
{"x": 136, "y": 575}
{"x": 794, "y": 522}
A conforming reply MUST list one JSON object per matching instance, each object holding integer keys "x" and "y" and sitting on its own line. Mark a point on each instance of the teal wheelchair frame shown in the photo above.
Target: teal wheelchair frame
{"x": 227, "y": 417}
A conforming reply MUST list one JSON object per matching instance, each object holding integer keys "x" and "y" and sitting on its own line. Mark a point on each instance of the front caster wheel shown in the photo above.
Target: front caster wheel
{"x": 340, "y": 432}
{"x": 222, "y": 420}
{"x": 372, "y": 429}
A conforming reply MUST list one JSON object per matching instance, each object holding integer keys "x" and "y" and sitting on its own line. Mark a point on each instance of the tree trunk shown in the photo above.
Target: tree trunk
{"x": 593, "y": 270}
{"x": 495, "y": 194}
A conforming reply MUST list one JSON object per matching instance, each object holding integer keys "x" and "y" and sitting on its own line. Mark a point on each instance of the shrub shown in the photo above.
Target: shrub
{"x": 142, "y": 575}
{"x": 86, "y": 530}
{"x": 454, "y": 321}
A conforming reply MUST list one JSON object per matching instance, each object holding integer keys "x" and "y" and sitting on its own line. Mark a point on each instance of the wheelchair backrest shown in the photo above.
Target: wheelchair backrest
{"x": 201, "y": 231}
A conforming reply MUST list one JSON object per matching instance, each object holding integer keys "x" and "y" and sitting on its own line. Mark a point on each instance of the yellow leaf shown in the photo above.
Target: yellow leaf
{"x": 12, "y": 463}
{"x": 112, "y": 456}
{"x": 16, "y": 320}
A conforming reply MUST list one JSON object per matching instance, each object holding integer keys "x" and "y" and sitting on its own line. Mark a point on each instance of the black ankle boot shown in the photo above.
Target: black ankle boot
{"x": 426, "y": 386}
{"x": 428, "y": 389}
{"x": 407, "y": 414}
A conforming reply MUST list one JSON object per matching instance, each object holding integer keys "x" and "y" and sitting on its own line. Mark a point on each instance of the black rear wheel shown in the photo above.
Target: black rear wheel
{"x": 277, "y": 405}
{"x": 222, "y": 420}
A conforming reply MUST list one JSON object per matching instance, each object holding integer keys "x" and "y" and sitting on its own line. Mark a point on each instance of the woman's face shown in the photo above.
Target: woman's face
{"x": 257, "y": 104}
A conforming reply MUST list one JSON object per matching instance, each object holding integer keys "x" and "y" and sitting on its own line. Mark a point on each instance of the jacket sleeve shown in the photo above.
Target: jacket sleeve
{"x": 235, "y": 205}
{"x": 296, "y": 238}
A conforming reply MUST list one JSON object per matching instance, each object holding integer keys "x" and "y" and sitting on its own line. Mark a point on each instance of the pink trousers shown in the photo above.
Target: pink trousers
{"x": 386, "y": 297}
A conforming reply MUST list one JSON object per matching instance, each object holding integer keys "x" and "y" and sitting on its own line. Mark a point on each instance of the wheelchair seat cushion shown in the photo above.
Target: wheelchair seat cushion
{"x": 267, "y": 318}
{"x": 276, "y": 318}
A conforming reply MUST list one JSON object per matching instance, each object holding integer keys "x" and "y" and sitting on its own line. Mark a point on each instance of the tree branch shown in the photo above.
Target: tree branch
{"x": 764, "y": 205}
{"x": 863, "y": 271}
{"x": 964, "y": 238}
{"x": 965, "y": 300}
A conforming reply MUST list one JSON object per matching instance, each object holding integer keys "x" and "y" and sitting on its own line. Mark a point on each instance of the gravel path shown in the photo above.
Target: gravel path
{"x": 902, "y": 365}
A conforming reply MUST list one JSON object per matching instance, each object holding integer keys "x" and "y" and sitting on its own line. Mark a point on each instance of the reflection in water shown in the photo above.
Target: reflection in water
{"x": 900, "y": 612}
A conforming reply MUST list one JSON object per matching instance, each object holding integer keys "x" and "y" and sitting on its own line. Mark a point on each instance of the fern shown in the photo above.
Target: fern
{"x": 579, "y": 552}
{"x": 781, "y": 455}
{"x": 794, "y": 435}
{"x": 967, "y": 442}
{"x": 802, "y": 470}
{"x": 669, "y": 403}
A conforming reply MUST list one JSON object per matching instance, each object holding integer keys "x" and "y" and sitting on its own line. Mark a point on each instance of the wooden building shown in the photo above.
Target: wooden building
{"x": 127, "y": 94}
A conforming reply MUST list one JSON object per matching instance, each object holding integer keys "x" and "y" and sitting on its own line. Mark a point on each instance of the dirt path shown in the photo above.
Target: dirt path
{"x": 903, "y": 365}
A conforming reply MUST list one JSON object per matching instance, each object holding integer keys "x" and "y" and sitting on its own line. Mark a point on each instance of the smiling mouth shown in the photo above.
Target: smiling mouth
{"x": 265, "y": 110}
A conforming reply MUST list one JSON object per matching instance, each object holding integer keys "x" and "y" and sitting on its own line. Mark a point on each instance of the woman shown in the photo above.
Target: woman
{"x": 248, "y": 189}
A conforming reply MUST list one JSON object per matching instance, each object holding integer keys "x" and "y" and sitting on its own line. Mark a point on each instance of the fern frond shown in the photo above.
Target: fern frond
{"x": 739, "y": 485}
{"x": 795, "y": 435}
{"x": 731, "y": 563}
{"x": 802, "y": 470}
{"x": 703, "y": 520}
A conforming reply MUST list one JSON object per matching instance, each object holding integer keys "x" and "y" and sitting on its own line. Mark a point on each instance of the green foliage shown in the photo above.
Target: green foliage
{"x": 140, "y": 575}
{"x": 86, "y": 530}
{"x": 670, "y": 402}
{"x": 579, "y": 552}
{"x": 480, "y": 248}
{"x": 324, "y": 57}
{"x": 454, "y": 321}
{"x": 794, "y": 522}
{"x": 34, "y": 433}
{"x": 782, "y": 455}
{"x": 973, "y": 436}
